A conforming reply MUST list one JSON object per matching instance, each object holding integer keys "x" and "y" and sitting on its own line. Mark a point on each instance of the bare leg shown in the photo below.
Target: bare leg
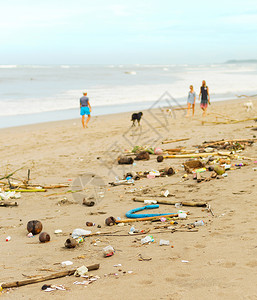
{"x": 83, "y": 121}
{"x": 188, "y": 109}
{"x": 193, "y": 109}
{"x": 204, "y": 111}
{"x": 88, "y": 118}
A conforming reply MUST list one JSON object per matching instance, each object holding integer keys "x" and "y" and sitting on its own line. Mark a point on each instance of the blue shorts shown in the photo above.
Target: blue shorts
{"x": 84, "y": 110}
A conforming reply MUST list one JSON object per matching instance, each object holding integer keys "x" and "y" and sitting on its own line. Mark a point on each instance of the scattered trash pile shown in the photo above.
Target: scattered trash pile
{"x": 214, "y": 158}
{"x": 11, "y": 188}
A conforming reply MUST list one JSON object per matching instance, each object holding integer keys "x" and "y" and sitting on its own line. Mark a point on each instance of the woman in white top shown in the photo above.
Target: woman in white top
{"x": 191, "y": 100}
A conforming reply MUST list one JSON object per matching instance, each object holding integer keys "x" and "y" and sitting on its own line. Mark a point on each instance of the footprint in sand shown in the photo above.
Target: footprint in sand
{"x": 182, "y": 274}
{"x": 199, "y": 246}
{"x": 252, "y": 263}
{"x": 146, "y": 282}
{"x": 228, "y": 264}
{"x": 169, "y": 279}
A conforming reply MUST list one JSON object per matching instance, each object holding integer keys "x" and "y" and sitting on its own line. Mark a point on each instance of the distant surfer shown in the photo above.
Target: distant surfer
{"x": 85, "y": 109}
{"x": 205, "y": 97}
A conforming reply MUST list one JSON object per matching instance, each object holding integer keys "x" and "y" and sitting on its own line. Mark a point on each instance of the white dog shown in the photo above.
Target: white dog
{"x": 248, "y": 105}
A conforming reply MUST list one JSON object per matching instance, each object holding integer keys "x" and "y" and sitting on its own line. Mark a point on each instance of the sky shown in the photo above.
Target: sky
{"x": 127, "y": 32}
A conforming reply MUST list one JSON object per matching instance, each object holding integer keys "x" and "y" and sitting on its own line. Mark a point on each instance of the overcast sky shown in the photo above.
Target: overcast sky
{"x": 124, "y": 32}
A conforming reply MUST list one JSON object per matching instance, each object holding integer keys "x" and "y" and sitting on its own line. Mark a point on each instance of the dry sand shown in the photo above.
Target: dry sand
{"x": 222, "y": 255}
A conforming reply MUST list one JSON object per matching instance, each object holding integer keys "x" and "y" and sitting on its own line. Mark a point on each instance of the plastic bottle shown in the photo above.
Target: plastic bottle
{"x": 80, "y": 232}
{"x": 132, "y": 229}
{"x": 199, "y": 223}
{"x": 108, "y": 251}
{"x": 164, "y": 243}
{"x": 8, "y": 238}
{"x": 182, "y": 215}
{"x": 147, "y": 239}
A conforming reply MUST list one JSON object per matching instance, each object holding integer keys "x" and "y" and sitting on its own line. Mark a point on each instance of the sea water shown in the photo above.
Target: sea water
{"x": 40, "y": 93}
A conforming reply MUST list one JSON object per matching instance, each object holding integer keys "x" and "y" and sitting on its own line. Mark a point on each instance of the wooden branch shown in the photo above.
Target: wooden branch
{"x": 229, "y": 141}
{"x": 10, "y": 174}
{"x": 45, "y": 278}
{"x": 146, "y": 219}
{"x": 7, "y": 204}
{"x": 173, "y": 202}
{"x": 173, "y": 141}
{"x": 195, "y": 155}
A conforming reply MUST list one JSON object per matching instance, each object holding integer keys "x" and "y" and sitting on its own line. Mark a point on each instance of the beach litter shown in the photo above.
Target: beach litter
{"x": 66, "y": 263}
{"x": 50, "y": 288}
{"x": 164, "y": 242}
{"x": 108, "y": 251}
{"x": 146, "y": 240}
{"x": 81, "y": 271}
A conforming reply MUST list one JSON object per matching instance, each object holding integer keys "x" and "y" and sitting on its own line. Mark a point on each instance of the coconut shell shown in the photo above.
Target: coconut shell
{"x": 110, "y": 221}
{"x": 44, "y": 237}
{"x": 34, "y": 226}
{"x": 70, "y": 243}
{"x": 159, "y": 158}
{"x": 124, "y": 160}
{"x": 143, "y": 155}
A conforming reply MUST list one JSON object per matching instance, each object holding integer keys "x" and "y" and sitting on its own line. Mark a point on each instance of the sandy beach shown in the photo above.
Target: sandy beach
{"x": 214, "y": 261}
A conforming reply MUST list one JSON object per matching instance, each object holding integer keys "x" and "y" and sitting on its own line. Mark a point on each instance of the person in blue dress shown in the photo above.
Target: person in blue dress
{"x": 191, "y": 101}
{"x": 85, "y": 109}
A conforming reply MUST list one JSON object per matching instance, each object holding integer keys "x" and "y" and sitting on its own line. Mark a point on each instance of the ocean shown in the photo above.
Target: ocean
{"x": 40, "y": 93}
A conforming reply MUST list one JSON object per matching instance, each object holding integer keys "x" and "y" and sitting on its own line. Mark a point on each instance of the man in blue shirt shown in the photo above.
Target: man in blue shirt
{"x": 85, "y": 109}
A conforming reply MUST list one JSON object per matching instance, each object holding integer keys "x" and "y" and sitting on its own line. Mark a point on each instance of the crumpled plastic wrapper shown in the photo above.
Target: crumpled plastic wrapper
{"x": 81, "y": 271}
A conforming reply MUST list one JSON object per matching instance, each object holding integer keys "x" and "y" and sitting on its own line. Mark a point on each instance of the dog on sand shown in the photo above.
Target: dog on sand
{"x": 136, "y": 117}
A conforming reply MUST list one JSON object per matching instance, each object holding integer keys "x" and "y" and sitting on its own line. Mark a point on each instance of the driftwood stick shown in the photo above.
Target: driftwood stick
{"x": 6, "y": 204}
{"x": 146, "y": 219}
{"x": 45, "y": 278}
{"x": 194, "y": 155}
{"x": 10, "y": 174}
{"x": 173, "y": 141}
{"x": 229, "y": 141}
{"x": 173, "y": 202}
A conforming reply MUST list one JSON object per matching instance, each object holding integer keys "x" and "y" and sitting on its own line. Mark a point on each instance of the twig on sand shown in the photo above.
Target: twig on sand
{"x": 10, "y": 174}
{"x": 173, "y": 141}
{"x": 45, "y": 278}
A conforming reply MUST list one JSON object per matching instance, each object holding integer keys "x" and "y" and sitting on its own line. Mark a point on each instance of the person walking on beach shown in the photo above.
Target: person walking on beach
{"x": 85, "y": 109}
{"x": 191, "y": 101}
{"x": 205, "y": 97}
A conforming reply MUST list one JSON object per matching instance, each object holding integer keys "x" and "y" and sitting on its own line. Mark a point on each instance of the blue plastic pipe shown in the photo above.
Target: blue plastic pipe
{"x": 131, "y": 214}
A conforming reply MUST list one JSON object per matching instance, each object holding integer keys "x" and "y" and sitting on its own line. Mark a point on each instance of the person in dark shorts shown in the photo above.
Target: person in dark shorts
{"x": 205, "y": 97}
{"x": 85, "y": 109}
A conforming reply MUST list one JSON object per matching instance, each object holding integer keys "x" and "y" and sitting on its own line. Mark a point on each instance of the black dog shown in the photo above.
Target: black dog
{"x": 136, "y": 117}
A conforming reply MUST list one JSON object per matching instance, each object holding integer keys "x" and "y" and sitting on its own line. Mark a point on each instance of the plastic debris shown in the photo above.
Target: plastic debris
{"x": 164, "y": 243}
{"x": 66, "y": 263}
{"x": 80, "y": 232}
{"x": 146, "y": 240}
{"x": 150, "y": 201}
{"x": 81, "y": 271}
{"x": 199, "y": 223}
{"x": 108, "y": 251}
